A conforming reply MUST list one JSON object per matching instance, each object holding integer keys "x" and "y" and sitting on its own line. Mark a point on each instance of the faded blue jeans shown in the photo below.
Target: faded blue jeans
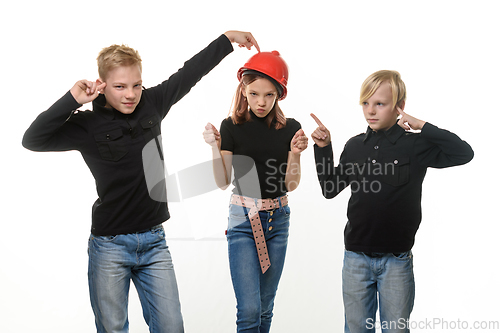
{"x": 143, "y": 257}
{"x": 383, "y": 280}
{"x": 254, "y": 291}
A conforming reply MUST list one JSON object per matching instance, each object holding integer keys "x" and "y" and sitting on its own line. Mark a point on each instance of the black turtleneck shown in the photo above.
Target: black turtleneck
{"x": 258, "y": 150}
{"x": 112, "y": 145}
{"x": 385, "y": 171}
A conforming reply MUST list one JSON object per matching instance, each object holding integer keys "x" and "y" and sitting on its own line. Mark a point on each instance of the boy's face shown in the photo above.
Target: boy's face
{"x": 123, "y": 88}
{"x": 378, "y": 109}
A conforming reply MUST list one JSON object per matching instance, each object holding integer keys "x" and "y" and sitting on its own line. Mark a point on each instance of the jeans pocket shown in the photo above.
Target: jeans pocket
{"x": 159, "y": 232}
{"x": 237, "y": 216}
{"x": 238, "y": 212}
{"x": 402, "y": 256}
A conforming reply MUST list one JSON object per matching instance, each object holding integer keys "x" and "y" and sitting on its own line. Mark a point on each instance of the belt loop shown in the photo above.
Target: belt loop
{"x": 281, "y": 205}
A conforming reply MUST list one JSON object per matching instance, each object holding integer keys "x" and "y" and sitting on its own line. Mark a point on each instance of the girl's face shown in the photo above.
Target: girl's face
{"x": 261, "y": 95}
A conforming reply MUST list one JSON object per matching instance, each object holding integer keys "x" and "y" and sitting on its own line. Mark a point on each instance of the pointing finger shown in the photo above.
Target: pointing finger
{"x": 317, "y": 120}
{"x": 254, "y": 42}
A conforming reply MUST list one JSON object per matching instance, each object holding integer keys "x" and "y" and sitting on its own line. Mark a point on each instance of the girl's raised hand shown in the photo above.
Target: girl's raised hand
{"x": 212, "y": 136}
{"x": 85, "y": 91}
{"x": 299, "y": 142}
{"x": 321, "y": 136}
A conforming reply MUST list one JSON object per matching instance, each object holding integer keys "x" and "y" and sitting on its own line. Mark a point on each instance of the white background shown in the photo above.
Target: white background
{"x": 447, "y": 53}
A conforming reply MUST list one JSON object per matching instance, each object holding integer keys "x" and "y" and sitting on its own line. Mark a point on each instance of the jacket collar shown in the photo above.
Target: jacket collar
{"x": 392, "y": 134}
{"x": 98, "y": 106}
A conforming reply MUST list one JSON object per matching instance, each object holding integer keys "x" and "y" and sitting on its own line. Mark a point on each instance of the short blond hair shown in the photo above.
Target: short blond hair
{"x": 374, "y": 81}
{"x": 115, "y": 56}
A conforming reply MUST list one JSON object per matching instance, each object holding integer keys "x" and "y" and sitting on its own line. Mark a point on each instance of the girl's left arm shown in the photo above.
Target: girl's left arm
{"x": 297, "y": 146}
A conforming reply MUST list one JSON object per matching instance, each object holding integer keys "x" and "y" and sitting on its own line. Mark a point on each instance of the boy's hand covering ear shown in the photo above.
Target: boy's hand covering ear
{"x": 408, "y": 122}
{"x": 85, "y": 91}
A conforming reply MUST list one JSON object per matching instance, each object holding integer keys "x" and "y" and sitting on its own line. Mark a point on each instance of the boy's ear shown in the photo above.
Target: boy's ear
{"x": 99, "y": 81}
{"x": 401, "y": 106}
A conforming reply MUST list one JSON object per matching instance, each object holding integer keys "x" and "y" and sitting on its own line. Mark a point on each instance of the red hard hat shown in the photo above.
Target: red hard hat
{"x": 270, "y": 64}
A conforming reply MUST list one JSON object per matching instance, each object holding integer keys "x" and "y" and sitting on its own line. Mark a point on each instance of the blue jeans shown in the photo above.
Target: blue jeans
{"x": 143, "y": 257}
{"x": 254, "y": 291}
{"x": 386, "y": 274}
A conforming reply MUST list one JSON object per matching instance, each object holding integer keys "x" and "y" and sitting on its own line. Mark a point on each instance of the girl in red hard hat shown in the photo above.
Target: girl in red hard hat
{"x": 264, "y": 149}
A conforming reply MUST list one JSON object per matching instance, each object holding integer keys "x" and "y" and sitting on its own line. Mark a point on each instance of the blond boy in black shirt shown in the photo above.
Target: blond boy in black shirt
{"x": 385, "y": 168}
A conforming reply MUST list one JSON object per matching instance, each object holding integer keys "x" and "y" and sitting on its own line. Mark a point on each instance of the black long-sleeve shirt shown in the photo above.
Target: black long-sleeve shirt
{"x": 260, "y": 155}
{"x": 385, "y": 170}
{"x": 117, "y": 147}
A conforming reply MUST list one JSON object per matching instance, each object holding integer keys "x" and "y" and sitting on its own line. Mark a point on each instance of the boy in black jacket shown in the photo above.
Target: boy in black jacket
{"x": 127, "y": 238}
{"x": 385, "y": 168}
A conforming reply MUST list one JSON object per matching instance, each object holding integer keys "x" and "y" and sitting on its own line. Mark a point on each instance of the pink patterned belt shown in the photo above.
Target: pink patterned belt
{"x": 253, "y": 214}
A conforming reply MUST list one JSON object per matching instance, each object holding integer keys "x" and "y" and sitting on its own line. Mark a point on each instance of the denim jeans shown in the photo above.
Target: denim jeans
{"x": 254, "y": 291}
{"x": 386, "y": 275}
{"x": 143, "y": 257}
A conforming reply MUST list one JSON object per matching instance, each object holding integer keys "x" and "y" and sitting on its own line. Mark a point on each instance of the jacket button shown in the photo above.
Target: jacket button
{"x": 396, "y": 161}
{"x": 376, "y": 147}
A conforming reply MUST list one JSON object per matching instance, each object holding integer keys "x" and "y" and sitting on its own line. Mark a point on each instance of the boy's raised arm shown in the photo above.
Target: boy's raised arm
{"x": 331, "y": 179}
{"x": 46, "y": 134}
{"x": 448, "y": 149}
{"x": 180, "y": 83}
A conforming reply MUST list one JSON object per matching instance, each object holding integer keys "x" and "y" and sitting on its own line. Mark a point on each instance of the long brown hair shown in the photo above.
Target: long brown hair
{"x": 241, "y": 111}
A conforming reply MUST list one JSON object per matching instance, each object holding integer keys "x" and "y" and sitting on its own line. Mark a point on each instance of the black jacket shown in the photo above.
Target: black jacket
{"x": 114, "y": 144}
